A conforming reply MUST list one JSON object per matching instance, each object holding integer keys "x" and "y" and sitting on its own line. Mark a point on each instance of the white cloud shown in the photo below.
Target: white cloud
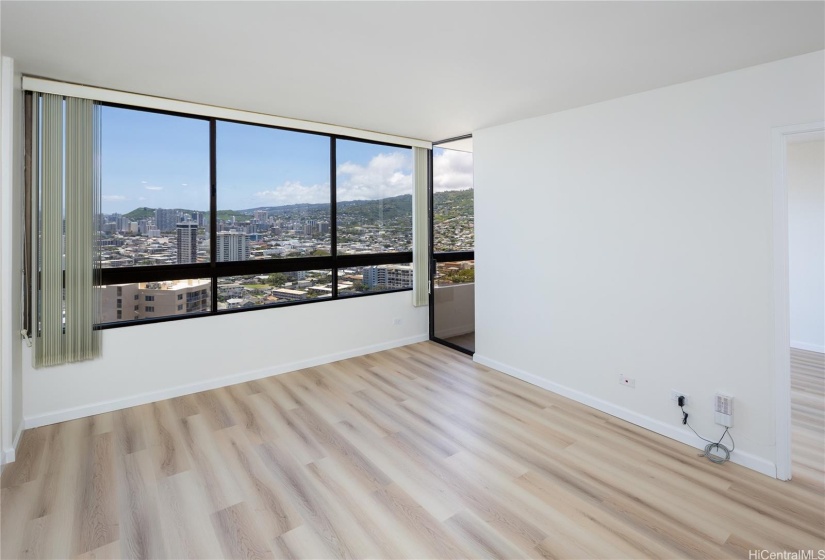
{"x": 113, "y": 197}
{"x": 384, "y": 176}
{"x": 294, "y": 192}
{"x": 452, "y": 171}
{"x": 153, "y": 188}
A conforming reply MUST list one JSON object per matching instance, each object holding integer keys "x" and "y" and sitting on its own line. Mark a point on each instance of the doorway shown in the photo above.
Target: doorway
{"x": 805, "y": 182}
{"x": 452, "y": 244}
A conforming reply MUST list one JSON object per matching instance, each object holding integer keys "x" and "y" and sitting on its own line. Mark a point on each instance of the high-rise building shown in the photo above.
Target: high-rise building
{"x": 392, "y": 276}
{"x": 166, "y": 219}
{"x": 232, "y": 246}
{"x": 187, "y": 242}
{"x": 261, "y": 216}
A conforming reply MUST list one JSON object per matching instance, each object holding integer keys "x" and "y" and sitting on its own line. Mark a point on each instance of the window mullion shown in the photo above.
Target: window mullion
{"x": 333, "y": 214}
{"x": 213, "y": 210}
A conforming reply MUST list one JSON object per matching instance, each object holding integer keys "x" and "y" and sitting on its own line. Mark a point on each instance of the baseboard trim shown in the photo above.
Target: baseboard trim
{"x": 187, "y": 389}
{"x": 745, "y": 459}
{"x": 806, "y": 346}
{"x": 10, "y": 454}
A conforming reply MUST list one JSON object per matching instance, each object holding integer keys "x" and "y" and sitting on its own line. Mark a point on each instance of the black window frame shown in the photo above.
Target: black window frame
{"x": 214, "y": 270}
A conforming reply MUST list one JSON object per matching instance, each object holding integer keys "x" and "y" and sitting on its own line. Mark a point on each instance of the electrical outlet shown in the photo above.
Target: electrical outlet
{"x": 674, "y": 396}
{"x": 627, "y": 381}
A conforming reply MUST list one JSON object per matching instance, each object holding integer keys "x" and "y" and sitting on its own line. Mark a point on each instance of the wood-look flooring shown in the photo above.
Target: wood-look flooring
{"x": 415, "y": 452}
{"x": 808, "y": 418}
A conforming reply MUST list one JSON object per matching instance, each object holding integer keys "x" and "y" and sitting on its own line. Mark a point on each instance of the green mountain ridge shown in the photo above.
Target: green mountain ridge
{"x": 447, "y": 204}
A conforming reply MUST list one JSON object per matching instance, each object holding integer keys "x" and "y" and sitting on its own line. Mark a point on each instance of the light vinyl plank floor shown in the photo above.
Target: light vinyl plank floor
{"x": 410, "y": 453}
{"x": 808, "y": 418}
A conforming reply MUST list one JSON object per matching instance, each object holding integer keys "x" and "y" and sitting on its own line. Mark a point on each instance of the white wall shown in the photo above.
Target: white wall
{"x": 11, "y": 185}
{"x": 149, "y": 362}
{"x": 454, "y": 310}
{"x": 644, "y": 225}
{"x": 5, "y": 340}
{"x": 806, "y": 244}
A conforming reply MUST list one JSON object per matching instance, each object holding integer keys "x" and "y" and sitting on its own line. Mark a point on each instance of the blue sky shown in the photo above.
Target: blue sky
{"x": 157, "y": 160}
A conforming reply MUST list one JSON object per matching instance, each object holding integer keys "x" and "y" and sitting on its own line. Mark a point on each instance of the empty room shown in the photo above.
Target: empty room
{"x": 412, "y": 280}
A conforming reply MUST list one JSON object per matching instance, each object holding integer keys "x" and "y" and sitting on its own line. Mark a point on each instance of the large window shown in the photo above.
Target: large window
{"x": 203, "y": 216}
{"x": 374, "y": 190}
{"x": 155, "y": 177}
{"x": 273, "y": 193}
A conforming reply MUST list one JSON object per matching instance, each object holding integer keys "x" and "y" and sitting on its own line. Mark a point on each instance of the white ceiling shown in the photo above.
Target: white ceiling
{"x": 427, "y": 70}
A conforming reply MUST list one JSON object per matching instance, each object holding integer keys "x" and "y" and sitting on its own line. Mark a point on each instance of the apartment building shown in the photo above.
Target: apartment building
{"x": 146, "y": 300}
{"x": 232, "y": 246}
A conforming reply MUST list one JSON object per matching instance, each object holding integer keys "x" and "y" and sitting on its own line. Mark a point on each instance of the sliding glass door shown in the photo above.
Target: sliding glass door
{"x": 452, "y": 250}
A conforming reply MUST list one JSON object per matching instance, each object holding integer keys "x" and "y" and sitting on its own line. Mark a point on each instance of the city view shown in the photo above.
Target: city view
{"x": 155, "y": 201}
{"x": 161, "y": 236}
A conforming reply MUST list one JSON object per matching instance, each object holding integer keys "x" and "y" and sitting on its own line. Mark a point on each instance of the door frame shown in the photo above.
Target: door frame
{"x": 782, "y": 331}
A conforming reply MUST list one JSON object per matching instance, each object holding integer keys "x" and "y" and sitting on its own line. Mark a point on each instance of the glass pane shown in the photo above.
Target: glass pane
{"x": 452, "y": 201}
{"x": 454, "y": 303}
{"x": 373, "y": 279}
{"x": 459, "y": 272}
{"x": 273, "y": 193}
{"x": 374, "y": 198}
{"x": 237, "y": 292}
{"x": 155, "y": 183}
{"x": 149, "y": 300}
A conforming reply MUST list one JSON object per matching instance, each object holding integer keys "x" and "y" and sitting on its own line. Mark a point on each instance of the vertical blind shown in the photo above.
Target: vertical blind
{"x": 66, "y": 179}
{"x": 421, "y": 174}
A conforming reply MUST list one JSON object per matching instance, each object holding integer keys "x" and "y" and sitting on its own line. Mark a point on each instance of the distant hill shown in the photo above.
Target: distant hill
{"x": 144, "y": 212}
{"x": 447, "y": 205}
{"x": 141, "y": 213}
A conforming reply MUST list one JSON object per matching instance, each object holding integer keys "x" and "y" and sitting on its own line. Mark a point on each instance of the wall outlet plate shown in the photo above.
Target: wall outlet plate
{"x": 723, "y": 410}
{"x": 627, "y": 381}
